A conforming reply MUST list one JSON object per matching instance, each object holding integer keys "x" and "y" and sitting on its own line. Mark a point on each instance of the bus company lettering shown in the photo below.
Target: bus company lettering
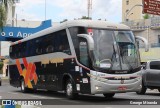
{"x": 18, "y": 34}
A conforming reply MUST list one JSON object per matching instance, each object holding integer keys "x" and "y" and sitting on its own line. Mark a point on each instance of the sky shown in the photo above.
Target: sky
{"x": 58, "y": 10}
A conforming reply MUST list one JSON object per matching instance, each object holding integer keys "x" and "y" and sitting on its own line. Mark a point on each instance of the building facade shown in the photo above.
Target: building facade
{"x": 134, "y": 6}
{"x": 147, "y": 28}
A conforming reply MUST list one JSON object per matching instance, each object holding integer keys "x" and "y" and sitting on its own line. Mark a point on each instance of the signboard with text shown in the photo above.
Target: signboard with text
{"x": 17, "y": 33}
{"x": 151, "y": 7}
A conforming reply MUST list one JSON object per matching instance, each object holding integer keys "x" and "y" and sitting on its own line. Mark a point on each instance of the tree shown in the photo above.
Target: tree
{"x": 2, "y": 17}
{"x": 146, "y": 16}
{"x": 84, "y": 17}
{"x": 64, "y": 21}
{"x": 4, "y": 5}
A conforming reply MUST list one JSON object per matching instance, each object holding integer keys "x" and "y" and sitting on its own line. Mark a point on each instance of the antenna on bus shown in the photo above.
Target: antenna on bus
{"x": 89, "y": 8}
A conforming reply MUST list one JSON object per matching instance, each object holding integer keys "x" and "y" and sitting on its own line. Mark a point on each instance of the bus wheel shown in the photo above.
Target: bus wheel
{"x": 108, "y": 95}
{"x": 69, "y": 90}
{"x": 143, "y": 90}
{"x": 159, "y": 89}
{"x": 24, "y": 89}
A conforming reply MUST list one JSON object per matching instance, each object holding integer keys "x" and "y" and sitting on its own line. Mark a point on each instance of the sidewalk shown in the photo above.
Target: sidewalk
{"x": 5, "y": 79}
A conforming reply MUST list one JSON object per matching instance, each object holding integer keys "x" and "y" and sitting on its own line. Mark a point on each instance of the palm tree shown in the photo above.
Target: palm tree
{"x": 4, "y": 6}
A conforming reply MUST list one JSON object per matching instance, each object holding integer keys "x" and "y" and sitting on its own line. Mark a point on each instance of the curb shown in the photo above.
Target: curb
{"x": 5, "y": 78}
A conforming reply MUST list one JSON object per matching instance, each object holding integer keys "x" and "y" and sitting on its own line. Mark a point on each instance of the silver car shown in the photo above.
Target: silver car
{"x": 150, "y": 76}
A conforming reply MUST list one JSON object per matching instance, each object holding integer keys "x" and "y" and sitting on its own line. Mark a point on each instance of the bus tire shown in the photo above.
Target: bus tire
{"x": 143, "y": 90}
{"x": 159, "y": 89}
{"x": 24, "y": 89}
{"x": 108, "y": 95}
{"x": 69, "y": 90}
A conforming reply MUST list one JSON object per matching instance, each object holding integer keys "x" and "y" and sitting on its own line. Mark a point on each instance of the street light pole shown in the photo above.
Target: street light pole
{"x": 45, "y": 9}
{"x": 126, "y": 18}
{"x": 129, "y": 16}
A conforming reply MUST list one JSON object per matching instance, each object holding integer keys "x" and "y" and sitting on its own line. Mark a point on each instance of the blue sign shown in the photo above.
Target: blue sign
{"x": 17, "y": 33}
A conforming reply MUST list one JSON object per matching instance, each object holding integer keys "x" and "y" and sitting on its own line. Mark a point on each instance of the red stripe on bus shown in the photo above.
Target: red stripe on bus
{"x": 35, "y": 77}
{"x": 25, "y": 62}
{"x": 29, "y": 68}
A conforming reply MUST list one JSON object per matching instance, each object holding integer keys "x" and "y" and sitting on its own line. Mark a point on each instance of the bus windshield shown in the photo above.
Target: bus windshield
{"x": 115, "y": 50}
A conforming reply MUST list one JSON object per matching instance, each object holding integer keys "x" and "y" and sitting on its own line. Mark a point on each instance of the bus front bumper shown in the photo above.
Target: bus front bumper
{"x": 115, "y": 86}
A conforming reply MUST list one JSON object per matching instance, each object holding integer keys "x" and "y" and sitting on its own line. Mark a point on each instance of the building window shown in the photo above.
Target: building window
{"x": 127, "y": 2}
{"x": 127, "y": 10}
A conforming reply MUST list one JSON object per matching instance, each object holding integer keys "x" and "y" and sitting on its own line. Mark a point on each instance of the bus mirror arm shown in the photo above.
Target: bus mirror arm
{"x": 144, "y": 41}
{"x": 89, "y": 40}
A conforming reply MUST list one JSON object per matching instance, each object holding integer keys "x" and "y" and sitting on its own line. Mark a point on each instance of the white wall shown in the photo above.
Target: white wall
{"x": 5, "y": 48}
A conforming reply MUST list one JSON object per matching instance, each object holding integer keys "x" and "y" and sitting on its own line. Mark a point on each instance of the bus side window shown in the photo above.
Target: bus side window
{"x": 14, "y": 51}
{"x": 11, "y": 51}
{"x": 48, "y": 46}
{"x": 39, "y": 45}
{"x": 83, "y": 52}
{"x": 17, "y": 51}
{"x": 23, "y": 49}
{"x": 61, "y": 42}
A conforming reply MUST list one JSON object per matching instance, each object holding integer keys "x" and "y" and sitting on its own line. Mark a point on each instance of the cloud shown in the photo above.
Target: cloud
{"x": 70, "y": 9}
{"x": 104, "y": 9}
{"x": 24, "y": 9}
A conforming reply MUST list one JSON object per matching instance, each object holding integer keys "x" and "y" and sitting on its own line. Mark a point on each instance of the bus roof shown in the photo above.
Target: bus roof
{"x": 76, "y": 23}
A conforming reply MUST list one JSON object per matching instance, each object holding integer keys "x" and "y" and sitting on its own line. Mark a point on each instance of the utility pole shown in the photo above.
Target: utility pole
{"x": 89, "y": 8}
{"x": 45, "y": 9}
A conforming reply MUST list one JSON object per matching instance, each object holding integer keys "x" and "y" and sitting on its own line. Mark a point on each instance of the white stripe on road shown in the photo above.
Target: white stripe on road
{"x": 13, "y": 93}
{"x": 38, "y": 97}
{"x": 42, "y": 97}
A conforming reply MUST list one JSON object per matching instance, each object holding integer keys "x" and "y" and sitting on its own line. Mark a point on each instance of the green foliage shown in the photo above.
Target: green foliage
{"x": 3, "y": 12}
{"x": 85, "y": 17}
{"x": 146, "y": 16}
{"x": 3, "y": 16}
{"x": 1, "y": 67}
{"x": 64, "y": 20}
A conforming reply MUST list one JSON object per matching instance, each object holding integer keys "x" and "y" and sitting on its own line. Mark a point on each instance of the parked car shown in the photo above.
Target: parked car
{"x": 150, "y": 76}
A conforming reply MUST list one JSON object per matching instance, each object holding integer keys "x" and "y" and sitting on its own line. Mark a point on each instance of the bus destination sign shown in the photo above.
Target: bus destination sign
{"x": 151, "y": 7}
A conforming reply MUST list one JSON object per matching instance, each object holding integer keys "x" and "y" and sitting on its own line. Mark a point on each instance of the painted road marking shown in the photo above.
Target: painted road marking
{"x": 38, "y": 96}
{"x": 13, "y": 93}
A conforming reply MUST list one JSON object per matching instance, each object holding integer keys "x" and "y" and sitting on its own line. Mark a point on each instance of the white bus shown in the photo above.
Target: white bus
{"x": 80, "y": 56}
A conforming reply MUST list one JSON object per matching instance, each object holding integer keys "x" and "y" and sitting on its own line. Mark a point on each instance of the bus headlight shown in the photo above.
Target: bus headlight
{"x": 98, "y": 88}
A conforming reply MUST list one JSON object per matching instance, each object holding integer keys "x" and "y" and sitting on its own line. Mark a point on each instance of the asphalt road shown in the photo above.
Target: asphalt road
{"x": 120, "y": 100}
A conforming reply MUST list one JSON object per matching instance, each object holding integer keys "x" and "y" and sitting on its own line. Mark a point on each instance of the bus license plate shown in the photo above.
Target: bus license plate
{"x": 122, "y": 88}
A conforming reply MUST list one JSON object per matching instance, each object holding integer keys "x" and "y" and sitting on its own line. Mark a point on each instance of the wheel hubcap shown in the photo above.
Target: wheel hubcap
{"x": 22, "y": 85}
{"x": 69, "y": 89}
